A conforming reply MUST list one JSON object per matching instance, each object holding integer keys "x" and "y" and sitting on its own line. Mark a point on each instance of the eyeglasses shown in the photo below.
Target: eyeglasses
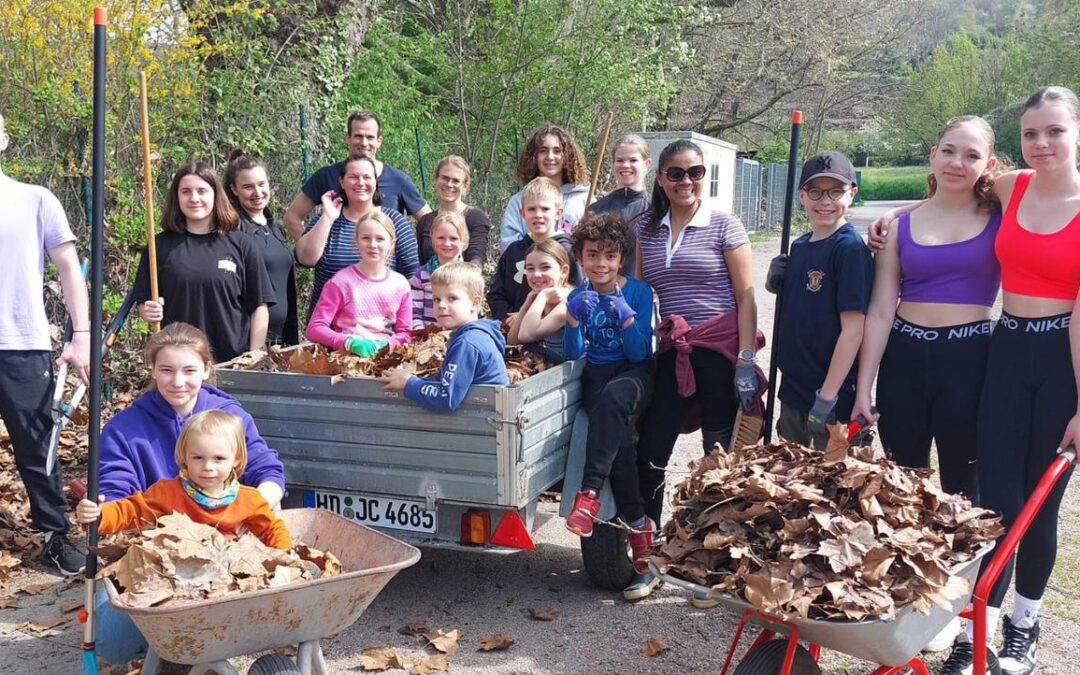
{"x": 676, "y": 173}
{"x": 815, "y": 194}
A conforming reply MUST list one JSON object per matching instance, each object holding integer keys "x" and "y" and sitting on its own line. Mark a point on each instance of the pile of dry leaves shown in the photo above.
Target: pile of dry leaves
{"x": 424, "y": 355}
{"x": 834, "y": 535}
{"x": 182, "y": 561}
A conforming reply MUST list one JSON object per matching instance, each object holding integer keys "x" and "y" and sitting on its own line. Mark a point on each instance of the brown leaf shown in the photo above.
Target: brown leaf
{"x": 654, "y": 647}
{"x": 548, "y": 614}
{"x": 9, "y": 602}
{"x": 496, "y": 642}
{"x": 35, "y": 589}
{"x": 375, "y": 659}
{"x": 417, "y": 628}
{"x": 445, "y": 642}
{"x": 66, "y": 607}
{"x": 47, "y": 624}
{"x": 427, "y": 663}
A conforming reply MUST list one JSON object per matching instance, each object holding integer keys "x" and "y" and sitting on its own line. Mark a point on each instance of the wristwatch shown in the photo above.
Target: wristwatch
{"x": 748, "y": 356}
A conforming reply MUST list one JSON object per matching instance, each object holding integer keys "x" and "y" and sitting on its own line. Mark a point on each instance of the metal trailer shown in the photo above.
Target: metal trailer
{"x": 469, "y": 480}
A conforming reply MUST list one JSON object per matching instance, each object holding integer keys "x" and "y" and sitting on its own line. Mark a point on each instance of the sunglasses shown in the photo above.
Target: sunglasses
{"x": 676, "y": 174}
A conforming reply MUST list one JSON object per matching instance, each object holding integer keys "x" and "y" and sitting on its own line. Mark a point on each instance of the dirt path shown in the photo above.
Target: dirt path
{"x": 595, "y": 631}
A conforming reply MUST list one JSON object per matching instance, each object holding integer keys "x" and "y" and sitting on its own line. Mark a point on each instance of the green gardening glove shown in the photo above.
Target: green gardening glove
{"x": 365, "y": 348}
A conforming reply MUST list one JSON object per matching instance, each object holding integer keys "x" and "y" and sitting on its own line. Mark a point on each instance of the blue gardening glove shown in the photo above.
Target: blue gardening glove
{"x": 746, "y": 383}
{"x": 821, "y": 414}
{"x": 774, "y": 278}
{"x": 616, "y": 307}
{"x": 365, "y": 348}
{"x": 582, "y": 305}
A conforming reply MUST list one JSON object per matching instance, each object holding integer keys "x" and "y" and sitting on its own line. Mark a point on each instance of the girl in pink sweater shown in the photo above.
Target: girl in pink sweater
{"x": 365, "y": 306}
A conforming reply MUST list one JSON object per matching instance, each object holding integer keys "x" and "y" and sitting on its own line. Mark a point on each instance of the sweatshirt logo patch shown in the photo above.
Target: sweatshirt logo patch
{"x": 813, "y": 280}
{"x": 227, "y": 265}
{"x": 519, "y": 274}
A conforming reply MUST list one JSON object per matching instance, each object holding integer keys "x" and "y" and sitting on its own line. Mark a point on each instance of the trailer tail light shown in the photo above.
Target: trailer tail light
{"x": 512, "y": 533}
{"x": 475, "y": 527}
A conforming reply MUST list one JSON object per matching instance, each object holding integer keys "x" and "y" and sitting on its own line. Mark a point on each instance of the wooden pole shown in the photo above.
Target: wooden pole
{"x": 600, "y": 157}
{"x": 148, "y": 179}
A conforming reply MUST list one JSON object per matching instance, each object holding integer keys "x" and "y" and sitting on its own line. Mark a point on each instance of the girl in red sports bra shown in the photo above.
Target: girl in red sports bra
{"x": 1028, "y": 408}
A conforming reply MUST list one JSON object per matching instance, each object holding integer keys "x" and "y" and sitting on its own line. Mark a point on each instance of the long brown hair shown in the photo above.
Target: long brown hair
{"x": 984, "y": 187}
{"x": 574, "y": 172}
{"x": 240, "y": 161}
{"x": 553, "y": 249}
{"x": 224, "y": 218}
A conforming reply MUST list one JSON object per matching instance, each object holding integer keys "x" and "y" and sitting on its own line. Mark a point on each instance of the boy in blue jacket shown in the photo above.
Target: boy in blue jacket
{"x": 609, "y": 320}
{"x": 475, "y": 352}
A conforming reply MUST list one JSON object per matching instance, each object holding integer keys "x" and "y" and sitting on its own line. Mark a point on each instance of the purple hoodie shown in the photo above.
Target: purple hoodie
{"x": 138, "y": 446}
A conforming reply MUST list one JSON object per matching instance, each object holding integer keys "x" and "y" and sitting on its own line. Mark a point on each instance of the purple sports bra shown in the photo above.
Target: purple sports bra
{"x": 962, "y": 273}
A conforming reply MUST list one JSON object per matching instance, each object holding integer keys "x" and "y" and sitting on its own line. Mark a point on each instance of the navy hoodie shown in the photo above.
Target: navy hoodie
{"x": 474, "y": 356}
{"x": 138, "y": 446}
{"x": 509, "y": 287}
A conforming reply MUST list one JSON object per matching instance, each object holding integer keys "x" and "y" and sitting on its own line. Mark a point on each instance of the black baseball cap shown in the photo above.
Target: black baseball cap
{"x": 829, "y": 164}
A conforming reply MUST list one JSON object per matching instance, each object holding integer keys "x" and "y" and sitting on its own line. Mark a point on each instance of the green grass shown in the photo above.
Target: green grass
{"x": 894, "y": 182}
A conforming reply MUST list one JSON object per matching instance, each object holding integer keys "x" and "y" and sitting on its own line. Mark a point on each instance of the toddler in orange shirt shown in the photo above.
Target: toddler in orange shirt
{"x": 211, "y": 452}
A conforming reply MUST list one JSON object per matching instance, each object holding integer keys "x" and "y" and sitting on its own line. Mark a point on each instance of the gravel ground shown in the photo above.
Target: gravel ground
{"x": 594, "y": 632}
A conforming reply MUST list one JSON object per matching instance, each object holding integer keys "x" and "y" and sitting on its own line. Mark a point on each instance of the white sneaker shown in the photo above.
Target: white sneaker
{"x": 945, "y": 638}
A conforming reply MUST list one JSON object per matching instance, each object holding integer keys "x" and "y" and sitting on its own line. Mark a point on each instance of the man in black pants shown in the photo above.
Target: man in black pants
{"x": 32, "y": 223}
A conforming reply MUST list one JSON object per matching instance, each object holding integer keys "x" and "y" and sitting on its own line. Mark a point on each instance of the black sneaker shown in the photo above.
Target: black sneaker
{"x": 62, "y": 553}
{"x": 1018, "y": 648}
{"x": 962, "y": 660}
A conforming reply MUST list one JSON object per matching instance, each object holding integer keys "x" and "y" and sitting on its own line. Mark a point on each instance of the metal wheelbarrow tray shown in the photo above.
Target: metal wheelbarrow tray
{"x": 234, "y": 625}
{"x": 892, "y": 642}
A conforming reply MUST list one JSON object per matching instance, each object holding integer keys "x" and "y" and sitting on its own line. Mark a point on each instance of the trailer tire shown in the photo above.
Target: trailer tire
{"x": 768, "y": 659}
{"x": 274, "y": 664}
{"x": 606, "y": 556}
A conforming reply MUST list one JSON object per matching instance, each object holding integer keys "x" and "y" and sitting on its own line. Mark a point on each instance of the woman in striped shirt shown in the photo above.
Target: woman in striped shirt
{"x": 700, "y": 265}
{"x": 329, "y": 241}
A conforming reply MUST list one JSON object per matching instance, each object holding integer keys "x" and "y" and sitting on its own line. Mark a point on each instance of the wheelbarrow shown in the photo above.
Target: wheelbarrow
{"x": 893, "y": 644}
{"x": 205, "y": 634}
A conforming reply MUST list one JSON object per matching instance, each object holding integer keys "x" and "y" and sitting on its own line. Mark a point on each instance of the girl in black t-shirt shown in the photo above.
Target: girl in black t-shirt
{"x": 210, "y": 274}
{"x": 249, "y": 191}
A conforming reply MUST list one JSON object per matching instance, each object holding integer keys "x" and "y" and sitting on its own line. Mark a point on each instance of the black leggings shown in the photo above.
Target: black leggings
{"x": 1028, "y": 398}
{"x": 613, "y": 394}
{"x": 664, "y": 418}
{"x": 928, "y": 390}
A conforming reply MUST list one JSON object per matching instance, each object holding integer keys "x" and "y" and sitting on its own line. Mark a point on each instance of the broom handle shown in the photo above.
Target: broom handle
{"x": 148, "y": 180}
{"x": 785, "y": 238}
{"x": 600, "y": 157}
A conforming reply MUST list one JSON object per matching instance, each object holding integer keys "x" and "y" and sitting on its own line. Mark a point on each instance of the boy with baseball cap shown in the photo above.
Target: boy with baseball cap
{"x": 826, "y": 283}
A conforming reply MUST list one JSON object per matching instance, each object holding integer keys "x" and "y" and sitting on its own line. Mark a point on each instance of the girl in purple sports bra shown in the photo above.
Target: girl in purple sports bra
{"x": 928, "y": 325}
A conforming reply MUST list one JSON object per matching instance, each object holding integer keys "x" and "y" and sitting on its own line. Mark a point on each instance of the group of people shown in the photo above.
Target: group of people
{"x": 655, "y": 291}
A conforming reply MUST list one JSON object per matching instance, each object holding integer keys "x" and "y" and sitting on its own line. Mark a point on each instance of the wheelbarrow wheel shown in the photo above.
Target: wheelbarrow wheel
{"x": 606, "y": 557}
{"x": 274, "y": 664}
{"x": 768, "y": 659}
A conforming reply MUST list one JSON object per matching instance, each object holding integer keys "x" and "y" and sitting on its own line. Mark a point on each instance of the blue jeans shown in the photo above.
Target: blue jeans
{"x": 117, "y": 639}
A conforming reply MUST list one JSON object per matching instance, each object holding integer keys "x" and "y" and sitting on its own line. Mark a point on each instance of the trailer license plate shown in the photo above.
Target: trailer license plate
{"x": 395, "y": 514}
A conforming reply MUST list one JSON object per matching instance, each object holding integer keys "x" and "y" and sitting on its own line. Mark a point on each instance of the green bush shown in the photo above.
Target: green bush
{"x": 905, "y": 182}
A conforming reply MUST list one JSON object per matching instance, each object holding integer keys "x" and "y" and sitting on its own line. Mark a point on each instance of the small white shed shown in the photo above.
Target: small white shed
{"x": 719, "y": 164}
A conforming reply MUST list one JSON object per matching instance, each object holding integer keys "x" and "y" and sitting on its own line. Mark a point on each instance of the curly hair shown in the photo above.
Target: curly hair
{"x": 574, "y": 172}
{"x": 607, "y": 230}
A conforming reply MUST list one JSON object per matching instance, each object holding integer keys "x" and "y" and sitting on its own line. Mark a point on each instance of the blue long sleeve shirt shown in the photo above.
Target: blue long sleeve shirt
{"x": 602, "y": 341}
{"x": 473, "y": 356}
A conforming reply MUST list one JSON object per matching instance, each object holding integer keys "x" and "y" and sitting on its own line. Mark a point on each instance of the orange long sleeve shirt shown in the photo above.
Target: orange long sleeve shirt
{"x": 168, "y": 496}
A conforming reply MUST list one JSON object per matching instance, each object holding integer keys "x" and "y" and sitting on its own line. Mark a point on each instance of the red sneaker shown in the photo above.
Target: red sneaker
{"x": 586, "y": 508}
{"x": 641, "y": 544}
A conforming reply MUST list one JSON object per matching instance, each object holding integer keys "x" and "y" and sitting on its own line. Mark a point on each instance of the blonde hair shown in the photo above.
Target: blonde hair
{"x": 214, "y": 423}
{"x": 382, "y": 219}
{"x": 541, "y": 188}
{"x": 457, "y": 163}
{"x": 455, "y": 219}
{"x": 179, "y": 335}
{"x": 463, "y": 274}
{"x": 554, "y": 250}
{"x": 634, "y": 141}
{"x": 984, "y": 187}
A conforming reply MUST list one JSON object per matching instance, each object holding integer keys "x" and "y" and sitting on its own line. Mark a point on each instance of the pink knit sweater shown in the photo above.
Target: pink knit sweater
{"x": 354, "y": 304}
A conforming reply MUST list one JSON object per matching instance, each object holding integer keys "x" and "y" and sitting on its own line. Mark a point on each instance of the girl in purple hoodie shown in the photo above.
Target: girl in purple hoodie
{"x": 138, "y": 445}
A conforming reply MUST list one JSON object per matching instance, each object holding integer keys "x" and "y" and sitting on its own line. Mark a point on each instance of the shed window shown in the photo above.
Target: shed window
{"x": 714, "y": 180}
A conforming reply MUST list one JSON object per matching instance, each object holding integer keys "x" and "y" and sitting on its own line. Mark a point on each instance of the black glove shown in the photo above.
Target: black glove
{"x": 774, "y": 279}
{"x": 821, "y": 414}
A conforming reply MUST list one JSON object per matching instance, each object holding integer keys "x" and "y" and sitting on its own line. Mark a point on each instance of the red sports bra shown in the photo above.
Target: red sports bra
{"x": 1038, "y": 265}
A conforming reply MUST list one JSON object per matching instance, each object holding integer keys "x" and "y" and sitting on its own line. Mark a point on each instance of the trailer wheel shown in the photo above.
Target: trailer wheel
{"x": 274, "y": 664}
{"x": 606, "y": 555}
{"x": 768, "y": 659}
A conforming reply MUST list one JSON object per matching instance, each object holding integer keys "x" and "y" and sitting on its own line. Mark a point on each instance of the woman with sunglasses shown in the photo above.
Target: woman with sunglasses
{"x": 699, "y": 263}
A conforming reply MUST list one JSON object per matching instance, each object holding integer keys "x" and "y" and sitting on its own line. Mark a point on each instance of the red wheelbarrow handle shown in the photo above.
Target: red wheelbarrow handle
{"x": 1005, "y": 551}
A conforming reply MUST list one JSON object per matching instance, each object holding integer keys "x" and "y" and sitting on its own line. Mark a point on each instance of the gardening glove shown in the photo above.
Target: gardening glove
{"x": 746, "y": 383}
{"x": 774, "y": 279}
{"x": 615, "y": 307}
{"x": 582, "y": 305}
{"x": 365, "y": 348}
{"x": 821, "y": 414}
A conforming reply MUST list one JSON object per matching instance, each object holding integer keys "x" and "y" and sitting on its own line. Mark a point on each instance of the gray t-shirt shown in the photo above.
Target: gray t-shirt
{"x": 32, "y": 221}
